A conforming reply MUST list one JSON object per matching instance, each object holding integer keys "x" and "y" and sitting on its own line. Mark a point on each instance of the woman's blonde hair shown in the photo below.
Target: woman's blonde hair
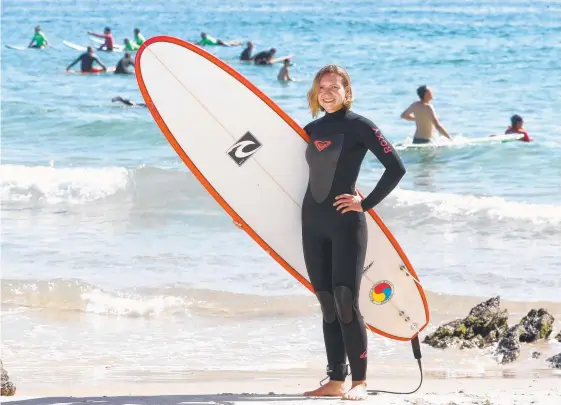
{"x": 313, "y": 102}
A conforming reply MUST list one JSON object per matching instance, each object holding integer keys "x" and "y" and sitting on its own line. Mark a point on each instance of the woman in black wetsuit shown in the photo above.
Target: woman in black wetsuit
{"x": 334, "y": 230}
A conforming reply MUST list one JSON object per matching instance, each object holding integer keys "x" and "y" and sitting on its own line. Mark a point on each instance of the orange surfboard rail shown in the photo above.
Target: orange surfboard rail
{"x": 212, "y": 191}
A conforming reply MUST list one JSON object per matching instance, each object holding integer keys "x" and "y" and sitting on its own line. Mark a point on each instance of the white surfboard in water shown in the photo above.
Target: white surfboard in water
{"x": 249, "y": 155}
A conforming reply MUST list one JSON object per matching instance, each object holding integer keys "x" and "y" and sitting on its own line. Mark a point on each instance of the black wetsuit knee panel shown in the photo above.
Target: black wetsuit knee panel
{"x": 327, "y": 306}
{"x": 344, "y": 302}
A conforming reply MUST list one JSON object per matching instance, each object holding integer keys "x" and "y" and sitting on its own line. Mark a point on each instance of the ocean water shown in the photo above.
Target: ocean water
{"x": 116, "y": 264}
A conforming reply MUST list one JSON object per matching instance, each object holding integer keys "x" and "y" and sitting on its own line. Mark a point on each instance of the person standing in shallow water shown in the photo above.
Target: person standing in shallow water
{"x": 334, "y": 232}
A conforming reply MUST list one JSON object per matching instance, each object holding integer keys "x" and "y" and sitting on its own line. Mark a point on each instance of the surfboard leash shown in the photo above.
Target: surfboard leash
{"x": 417, "y": 353}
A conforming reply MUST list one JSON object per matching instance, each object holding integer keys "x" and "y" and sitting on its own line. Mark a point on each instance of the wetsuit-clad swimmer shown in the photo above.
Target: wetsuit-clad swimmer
{"x": 109, "y": 42}
{"x": 246, "y": 53}
{"x": 517, "y": 127}
{"x": 123, "y": 64}
{"x": 422, "y": 112}
{"x": 208, "y": 40}
{"x": 87, "y": 59}
{"x": 39, "y": 39}
{"x": 334, "y": 227}
{"x": 264, "y": 57}
{"x": 127, "y": 102}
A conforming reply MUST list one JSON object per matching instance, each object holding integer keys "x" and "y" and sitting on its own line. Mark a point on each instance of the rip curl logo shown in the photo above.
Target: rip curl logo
{"x": 383, "y": 143}
{"x": 244, "y": 148}
{"x": 321, "y": 145}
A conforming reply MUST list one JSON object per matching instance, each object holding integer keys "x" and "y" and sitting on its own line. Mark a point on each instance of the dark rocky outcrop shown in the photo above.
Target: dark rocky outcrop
{"x": 484, "y": 325}
{"x": 555, "y": 361}
{"x": 538, "y": 324}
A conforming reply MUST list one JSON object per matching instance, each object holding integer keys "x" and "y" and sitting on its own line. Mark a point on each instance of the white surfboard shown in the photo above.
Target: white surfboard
{"x": 249, "y": 155}
{"x": 18, "y": 48}
{"x": 84, "y": 48}
{"x": 461, "y": 141}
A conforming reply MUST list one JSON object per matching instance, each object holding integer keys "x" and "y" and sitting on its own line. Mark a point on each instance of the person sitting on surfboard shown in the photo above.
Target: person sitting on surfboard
{"x": 127, "y": 102}
{"x": 87, "y": 59}
{"x": 123, "y": 64}
{"x": 283, "y": 75}
{"x": 264, "y": 57}
{"x": 130, "y": 46}
{"x": 422, "y": 112}
{"x": 208, "y": 40}
{"x": 138, "y": 37}
{"x": 334, "y": 227}
{"x": 246, "y": 53}
{"x": 517, "y": 127}
{"x": 109, "y": 43}
{"x": 39, "y": 39}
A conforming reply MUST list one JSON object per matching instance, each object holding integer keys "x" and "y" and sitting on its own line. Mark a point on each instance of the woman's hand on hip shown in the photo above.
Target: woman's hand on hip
{"x": 348, "y": 202}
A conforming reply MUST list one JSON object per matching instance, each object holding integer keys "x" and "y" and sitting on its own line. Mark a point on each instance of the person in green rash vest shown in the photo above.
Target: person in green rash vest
{"x": 130, "y": 46}
{"x": 138, "y": 38}
{"x": 208, "y": 40}
{"x": 39, "y": 39}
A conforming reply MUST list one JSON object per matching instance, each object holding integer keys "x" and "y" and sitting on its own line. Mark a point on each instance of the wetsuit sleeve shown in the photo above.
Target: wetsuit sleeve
{"x": 76, "y": 61}
{"x": 98, "y": 61}
{"x": 376, "y": 142}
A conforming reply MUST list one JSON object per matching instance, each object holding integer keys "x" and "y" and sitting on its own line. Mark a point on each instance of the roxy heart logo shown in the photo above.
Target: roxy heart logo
{"x": 244, "y": 148}
{"x": 321, "y": 145}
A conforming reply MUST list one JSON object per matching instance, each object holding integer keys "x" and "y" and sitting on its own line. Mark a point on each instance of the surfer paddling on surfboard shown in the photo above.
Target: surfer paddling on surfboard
{"x": 422, "y": 112}
{"x": 208, "y": 40}
{"x": 87, "y": 59}
{"x": 334, "y": 227}
{"x": 127, "y": 102}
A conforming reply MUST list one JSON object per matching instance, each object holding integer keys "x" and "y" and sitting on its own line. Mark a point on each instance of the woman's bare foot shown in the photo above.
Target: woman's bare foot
{"x": 357, "y": 392}
{"x": 331, "y": 389}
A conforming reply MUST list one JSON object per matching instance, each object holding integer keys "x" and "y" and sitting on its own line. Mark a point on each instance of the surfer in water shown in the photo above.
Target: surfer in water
{"x": 39, "y": 39}
{"x": 138, "y": 37}
{"x": 208, "y": 40}
{"x": 422, "y": 112}
{"x": 246, "y": 53}
{"x": 334, "y": 227}
{"x": 264, "y": 57}
{"x": 109, "y": 43}
{"x": 87, "y": 59}
{"x": 517, "y": 127}
{"x": 283, "y": 75}
{"x": 130, "y": 46}
{"x": 127, "y": 102}
{"x": 123, "y": 65}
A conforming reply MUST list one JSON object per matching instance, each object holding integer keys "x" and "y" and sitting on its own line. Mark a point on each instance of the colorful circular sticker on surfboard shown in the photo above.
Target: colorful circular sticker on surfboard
{"x": 381, "y": 292}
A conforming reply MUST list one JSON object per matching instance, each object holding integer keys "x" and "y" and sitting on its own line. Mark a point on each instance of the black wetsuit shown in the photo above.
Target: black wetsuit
{"x": 246, "y": 54}
{"x": 87, "y": 61}
{"x": 122, "y": 66}
{"x": 262, "y": 58}
{"x": 335, "y": 244}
